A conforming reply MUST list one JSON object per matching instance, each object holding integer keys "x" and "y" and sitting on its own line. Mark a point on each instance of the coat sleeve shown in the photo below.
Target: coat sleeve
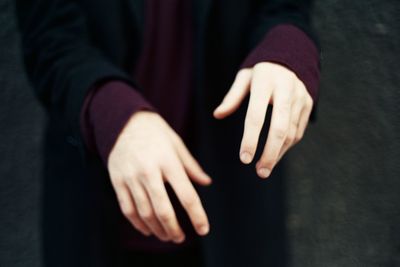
{"x": 281, "y": 32}
{"x": 61, "y": 62}
{"x": 272, "y": 13}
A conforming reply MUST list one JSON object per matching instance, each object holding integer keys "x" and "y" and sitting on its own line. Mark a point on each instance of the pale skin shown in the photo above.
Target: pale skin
{"x": 148, "y": 153}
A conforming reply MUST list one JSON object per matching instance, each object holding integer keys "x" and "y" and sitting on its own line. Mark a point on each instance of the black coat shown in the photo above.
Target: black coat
{"x": 70, "y": 45}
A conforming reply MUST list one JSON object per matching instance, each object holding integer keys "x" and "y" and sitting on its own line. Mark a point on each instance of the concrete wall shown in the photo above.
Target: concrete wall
{"x": 21, "y": 127}
{"x": 344, "y": 187}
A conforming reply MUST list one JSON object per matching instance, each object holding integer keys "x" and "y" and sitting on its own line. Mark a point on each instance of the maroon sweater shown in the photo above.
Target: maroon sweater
{"x": 164, "y": 71}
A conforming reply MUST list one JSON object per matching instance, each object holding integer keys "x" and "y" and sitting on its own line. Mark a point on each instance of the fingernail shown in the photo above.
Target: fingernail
{"x": 264, "y": 172}
{"x": 245, "y": 157}
{"x": 204, "y": 230}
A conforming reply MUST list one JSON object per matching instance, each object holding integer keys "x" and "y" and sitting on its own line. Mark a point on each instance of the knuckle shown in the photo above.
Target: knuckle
{"x": 152, "y": 185}
{"x": 279, "y": 132}
{"x": 139, "y": 174}
{"x": 158, "y": 199}
{"x": 303, "y": 98}
{"x": 117, "y": 181}
{"x": 128, "y": 212}
{"x": 167, "y": 163}
{"x": 268, "y": 162}
{"x": 136, "y": 223}
{"x": 296, "y": 138}
{"x": 253, "y": 119}
{"x": 164, "y": 216}
{"x": 291, "y": 136}
{"x": 299, "y": 136}
{"x": 128, "y": 171}
{"x": 284, "y": 107}
{"x": 189, "y": 201}
{"x": 147, "y": 215}
{"x": 129, "y": 181}
{"x": 289, "y": 139}
{"x": 144, "y": 173}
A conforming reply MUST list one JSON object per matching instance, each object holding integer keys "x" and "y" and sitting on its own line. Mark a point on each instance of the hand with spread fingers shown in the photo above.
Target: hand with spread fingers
{"x": 268, "y": 83}
{"x": 147, "y": 154}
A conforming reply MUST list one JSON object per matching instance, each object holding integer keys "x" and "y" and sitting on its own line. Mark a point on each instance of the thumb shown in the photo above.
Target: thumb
{"x": 235, "y": 95}
{"x": 192, "y": 167}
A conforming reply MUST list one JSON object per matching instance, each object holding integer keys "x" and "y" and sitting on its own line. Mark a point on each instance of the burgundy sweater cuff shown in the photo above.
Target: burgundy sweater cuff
{"x": 289, "y": 46}
{"x": 106, "y": 110}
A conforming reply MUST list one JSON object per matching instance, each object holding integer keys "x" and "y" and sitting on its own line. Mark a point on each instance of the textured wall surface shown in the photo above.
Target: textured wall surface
{"x": 21, "y": 127}
{"x": 344, "y": 185}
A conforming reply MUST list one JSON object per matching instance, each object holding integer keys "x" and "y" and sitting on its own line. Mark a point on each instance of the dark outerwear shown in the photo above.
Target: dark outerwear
{"x": 71, "y": 45}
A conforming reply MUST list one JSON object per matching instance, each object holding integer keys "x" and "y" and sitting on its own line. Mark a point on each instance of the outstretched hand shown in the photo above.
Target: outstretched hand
{"x": 268, "y": 83}
{"x": 148, "y": 154}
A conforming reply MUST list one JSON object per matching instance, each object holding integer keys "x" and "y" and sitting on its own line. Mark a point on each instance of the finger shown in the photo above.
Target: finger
{"x": 294, "y": 124}
{"x": 304, "y": 118}
{"x": 260, "y": 94}
{"x": 129, "y": 210}
{"x": 192, "y": 167}
{"x": 289, "y": 142}
{"x": 278, "y": 130}
{"x": 187, "y": 195}
{"x": 163, "y": 208}
{"x": 235, "y": 95}
{"x": 146, "y": 211}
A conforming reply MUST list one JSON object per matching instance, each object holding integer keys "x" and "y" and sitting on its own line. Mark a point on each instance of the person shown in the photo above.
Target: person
{"x": 148, "y": 102}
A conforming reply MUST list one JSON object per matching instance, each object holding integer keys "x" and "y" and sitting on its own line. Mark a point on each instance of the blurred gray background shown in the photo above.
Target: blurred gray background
{"x": 344, "y": 182}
